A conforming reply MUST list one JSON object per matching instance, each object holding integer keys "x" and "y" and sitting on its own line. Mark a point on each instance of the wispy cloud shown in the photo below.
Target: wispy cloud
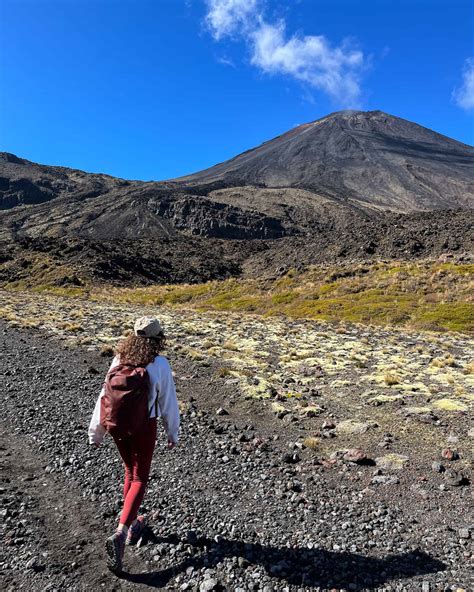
{"x": 229, "y": 17}
{"x": 335, "y": 70}
{"x": 464, "y": 95}
{"x": 225, "y": 61}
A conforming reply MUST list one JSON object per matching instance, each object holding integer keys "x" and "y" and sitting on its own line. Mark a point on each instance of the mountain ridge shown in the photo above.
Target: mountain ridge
{"x": 370, "y": 159}
{"x": 351, "y": 185}
{"x": 334, "y": 155}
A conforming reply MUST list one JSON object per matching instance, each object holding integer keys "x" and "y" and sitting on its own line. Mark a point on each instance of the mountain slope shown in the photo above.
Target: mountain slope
{"x": 352, "y": 185}
{"x": 371, "y": 159}
{"x": 23, "y": 182}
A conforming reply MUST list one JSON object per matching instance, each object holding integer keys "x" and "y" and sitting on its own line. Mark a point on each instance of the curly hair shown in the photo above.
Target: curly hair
{"x": 139, "y": 351}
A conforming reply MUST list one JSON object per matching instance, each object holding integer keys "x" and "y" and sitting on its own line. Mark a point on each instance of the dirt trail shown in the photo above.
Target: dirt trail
{"x": 242, "y": 506}
{"x": 49, "y": 524}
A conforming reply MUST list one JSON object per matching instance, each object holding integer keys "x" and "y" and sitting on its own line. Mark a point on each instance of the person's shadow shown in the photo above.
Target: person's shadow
{"x": 298, "y": 566}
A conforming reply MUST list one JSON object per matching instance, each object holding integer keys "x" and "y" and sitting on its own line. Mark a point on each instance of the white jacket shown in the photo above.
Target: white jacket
{"x": 161, "y": 387}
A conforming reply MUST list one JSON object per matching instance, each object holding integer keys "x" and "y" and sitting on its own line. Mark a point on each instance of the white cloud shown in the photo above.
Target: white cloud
{"x": 309, "y": 58}
{"x": 225, "y": 61}
{"x": 464, "y": 95}
{"x": 227, "y": 17}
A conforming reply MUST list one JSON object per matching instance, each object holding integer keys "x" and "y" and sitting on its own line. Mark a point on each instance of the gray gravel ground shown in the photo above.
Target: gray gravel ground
{"x": 238, "y": 506}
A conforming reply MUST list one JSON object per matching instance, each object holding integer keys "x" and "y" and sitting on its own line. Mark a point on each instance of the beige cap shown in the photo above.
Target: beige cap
{"x": 148, "y": 327}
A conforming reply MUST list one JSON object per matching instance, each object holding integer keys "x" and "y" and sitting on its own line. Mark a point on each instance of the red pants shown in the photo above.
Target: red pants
{"x": 136, "y": 452}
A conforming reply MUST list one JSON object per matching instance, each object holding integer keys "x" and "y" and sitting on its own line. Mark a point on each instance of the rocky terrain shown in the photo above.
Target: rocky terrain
{"x": 368, "y": 159}
{"x": 23, "y": 182}
{"x": 311, "y": 458}
{"x": 350, "y": 186}
{"x": 316, "y": 454}
{"x": 81, "y": 261}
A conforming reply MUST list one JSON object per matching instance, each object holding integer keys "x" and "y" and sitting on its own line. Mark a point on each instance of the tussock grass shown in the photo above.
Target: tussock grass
{"x": 426, "y": 295}
{"x": 469, "y": 368}
{"x": 447, "y": 360}
{"x": 223, "y": 372}
{"x": 106, "y": 351}
{"x": 311, "y": 442}
{"x": 72, "y": 327}
{"x": 391, "y": 379}
{"x": 230, "y": 345}
{"x": 423, "y": 295}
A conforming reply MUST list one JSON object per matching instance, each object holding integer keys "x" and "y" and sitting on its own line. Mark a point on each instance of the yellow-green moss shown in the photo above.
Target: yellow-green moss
{"x": 449, "y": 405}
{"x": 278, "y": 407}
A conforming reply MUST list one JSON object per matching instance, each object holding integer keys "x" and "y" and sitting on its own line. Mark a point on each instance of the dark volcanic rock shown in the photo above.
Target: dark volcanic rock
{"x": 353, "y": 185}
{"x": 369, "y": 158}
{"x": 165, "y": 260}
{"x": 217, "y": 520}
{"x": 23, "y": 182}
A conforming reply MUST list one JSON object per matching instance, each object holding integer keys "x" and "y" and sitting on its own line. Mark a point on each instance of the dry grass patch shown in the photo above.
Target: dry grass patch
{"x": 107, "y": 351}
{"x": 469, "y": 368}
{"x": 391, "y": 379}
{"x": 230, "y": 345}
{"x": 311, "y": 443}
{"x": 72, "y": 327}
{"x": 223, "y": 372}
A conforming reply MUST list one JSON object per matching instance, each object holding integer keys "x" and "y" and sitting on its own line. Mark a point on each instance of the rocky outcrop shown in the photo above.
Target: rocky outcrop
{"x": 204, "y": 217}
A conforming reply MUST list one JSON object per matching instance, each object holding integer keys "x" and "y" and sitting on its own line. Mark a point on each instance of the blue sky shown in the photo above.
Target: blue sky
{"x": 159, "y": 88}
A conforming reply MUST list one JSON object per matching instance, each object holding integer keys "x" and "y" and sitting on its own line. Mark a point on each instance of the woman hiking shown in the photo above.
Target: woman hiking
{"x": 138, "y": 388}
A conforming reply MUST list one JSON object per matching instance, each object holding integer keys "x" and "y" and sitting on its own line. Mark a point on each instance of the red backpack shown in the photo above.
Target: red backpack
{"x": 124, "y": 405}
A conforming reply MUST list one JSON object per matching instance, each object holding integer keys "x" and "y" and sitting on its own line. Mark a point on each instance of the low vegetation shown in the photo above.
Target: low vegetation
{"x": 350, "y": 375}
{"x": 427, "y": 295}
{"x": 422, "y": 295}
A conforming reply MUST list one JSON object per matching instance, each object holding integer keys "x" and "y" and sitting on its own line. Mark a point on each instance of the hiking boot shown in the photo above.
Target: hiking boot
{"x": 136, "y": 530}
{"x": 115, "y": 547}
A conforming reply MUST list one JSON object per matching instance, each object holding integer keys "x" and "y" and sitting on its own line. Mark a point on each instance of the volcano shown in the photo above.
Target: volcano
{"x": 350, "y": 185}
{"x": 371, "y": 159}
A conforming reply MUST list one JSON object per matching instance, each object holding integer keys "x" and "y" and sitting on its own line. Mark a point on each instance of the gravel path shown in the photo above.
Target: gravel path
{"x": 240, "y": 505}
